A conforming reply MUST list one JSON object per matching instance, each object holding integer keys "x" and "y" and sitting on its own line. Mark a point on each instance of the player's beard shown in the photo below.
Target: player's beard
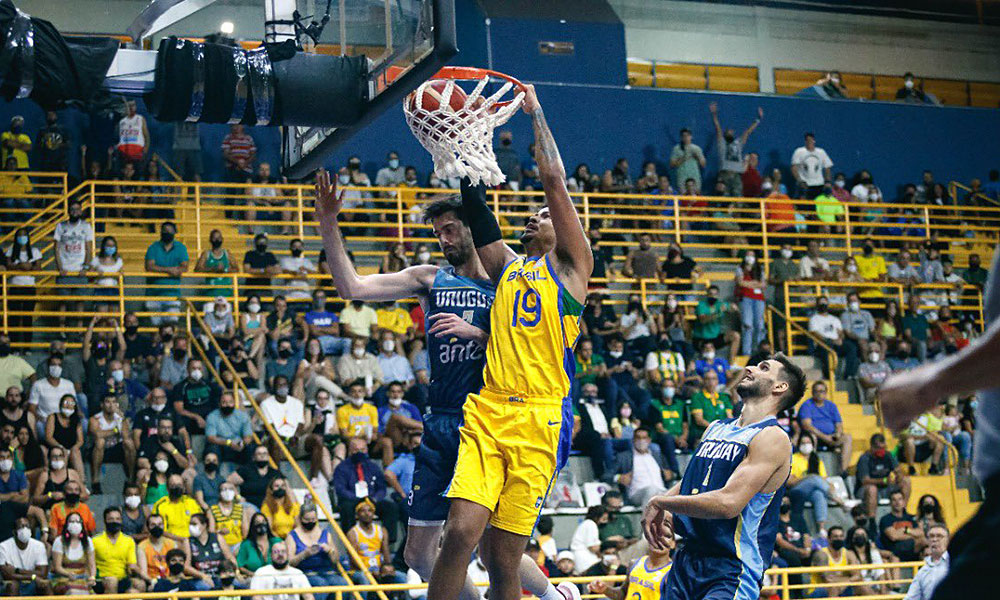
{"x": 459, "y": 255}
{"x": 752, "y": 390}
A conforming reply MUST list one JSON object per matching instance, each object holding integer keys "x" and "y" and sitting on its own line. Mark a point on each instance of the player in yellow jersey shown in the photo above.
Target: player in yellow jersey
{"x": 645, "y": 578}
{"x": 517, "y": 430}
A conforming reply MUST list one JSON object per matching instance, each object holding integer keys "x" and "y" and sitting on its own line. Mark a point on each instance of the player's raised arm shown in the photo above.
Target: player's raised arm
{"x": 766, "y": 466}
{"x": 493, "y": 252}
{"x": 412, "y": 281}
{"x": 572, "y": 249}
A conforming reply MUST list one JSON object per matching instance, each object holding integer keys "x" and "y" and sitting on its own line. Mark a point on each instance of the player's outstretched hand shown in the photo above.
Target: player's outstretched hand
{"x": 907, "y": 395}
{"x": 530, "y": 99}
{"x": 452, "y": 325}
{"x": 653, "y": 524}
{"x": 328, "y": 201}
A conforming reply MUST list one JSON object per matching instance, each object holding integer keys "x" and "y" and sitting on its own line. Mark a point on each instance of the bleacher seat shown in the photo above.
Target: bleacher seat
{"x": 677, "y": 75}
{"x": 984, "y": 95}
{"x": 948, "y": 91}
{"x": 790, "y": 81}
{"x": 859, "y": 85}
{"x": 733, "y": 79}
{"x": 640, "y": 72}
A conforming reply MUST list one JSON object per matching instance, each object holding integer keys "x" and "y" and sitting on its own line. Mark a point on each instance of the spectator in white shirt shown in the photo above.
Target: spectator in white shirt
{"x": 394, "y": 365}
{"x": 586, "y": 543}
{"x": 73, "y": 239}
{"x": 641, "y": 469}
{"x": 280, "y": 575}
{"x": 935, "y": 565}
{"x": 392, "y": 174}
{"x": 24, "y": 563}
{"x": 284, "y": 412}
{"x": 902, "y": 271}
{"x": 47, "y": 393}
{"x": 812, "y": 265}
{"x": 107, "y": 264}
{"x": 811, "y": 167}
{"x": 300, "y": 267}
{"x": 830, "y": 329}
{"x": 954, "y": 295}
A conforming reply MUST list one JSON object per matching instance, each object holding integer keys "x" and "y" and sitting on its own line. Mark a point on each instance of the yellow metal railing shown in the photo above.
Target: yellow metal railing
{"x": 193, "y": 313}
{"x": 954, "y": 186}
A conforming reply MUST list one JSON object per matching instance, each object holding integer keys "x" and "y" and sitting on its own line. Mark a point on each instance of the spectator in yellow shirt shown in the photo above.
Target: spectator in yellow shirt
{"x": 358, "y": 320}
{"x": 357, "y": 418}
{"x": 14, "y": 143}
{"x": 280, "y": 507}
{"x": 392, "y": 317}
{"x": 115, "y": 557}
{"x": 176, "y": 508}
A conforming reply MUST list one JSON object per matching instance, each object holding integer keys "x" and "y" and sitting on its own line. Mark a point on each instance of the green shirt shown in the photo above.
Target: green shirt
{"x": 917, "y": 324}
{"x": 249, "y": 557}
{"x": 713, "y": 328}
{"x": 585, "y": 372}
{"x": 975, "y": 277}
{"x": 710, "y": 410}
{"x": 161, "y": 257}
{"x": 619, "y": 526}
{"x": 828, "y": 208}
{"x": 672, "y": 416}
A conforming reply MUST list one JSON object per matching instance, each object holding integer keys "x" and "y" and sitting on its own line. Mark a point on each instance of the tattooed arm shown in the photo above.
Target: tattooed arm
{"x": 572, "y": 253}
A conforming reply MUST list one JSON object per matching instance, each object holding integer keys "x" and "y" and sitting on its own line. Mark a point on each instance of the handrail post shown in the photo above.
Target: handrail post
{"x": 399, "y": 212}
{"x": 236, "y": 297}
{"x": 93, "y": 216}
{"x": 642, "y": 291}
{"x": 301, "y": 216}
{"x": 847, "y": 228}
{"x": 3, "y": 278}
{"x": 197, "y": 216}
{"x": 586, "y": 212}
{"x": 677, "y": 220}
{"x": 765, "y": 257}
{"x": 786, "y": 593}
{"x": 788, "y": 320}
{"x": 121, "y": 296}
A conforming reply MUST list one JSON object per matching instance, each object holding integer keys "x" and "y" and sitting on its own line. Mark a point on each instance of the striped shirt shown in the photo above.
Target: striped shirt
{"x": 238, "y": 146}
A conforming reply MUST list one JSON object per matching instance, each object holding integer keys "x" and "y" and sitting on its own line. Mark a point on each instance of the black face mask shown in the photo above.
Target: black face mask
{"x": 226, "y": 410}
{"x": 176, "y": 493}
{"x": 166, "y": 337}
{"x": 837, "y": 544}
{"x": 260, "y": 464}
{"x": 822, "y": 308}
{"x": 711, "y": 301}
{"x": 357, "y": 303}
{"x": 216, "y": 244}
{"x": 260, "y": 529}
{"x": 785, "y": 509}
{"x": 279, "y": 493}
{"x": 506, "y": 142}
{"x": 226, "y": 581}
{"x": 211, "y": 468}
{"x": 261, "y": 247}
{"x": 296, "y": 252}
{"x": 156, "y": 532}
{"x": 72, "y": 498}
{"x": 927, "y": 509}
{"x": 179, "y": 353}
{"x": 359, "y": 457}
{"x": 860, "y": 541}
{"x": 309, "y": 526}
{"x": 868, "y": 249}
{"x": 176, "y": 568}
{"x": 113, "y": 528}
{"x": 4, "y": 349}
{"x": 729, "y": 138}
{"x": 131, "y": 330}
{"x": 285, "y": 352}
{"x": 74, "y": 217}
{"x": 167, "y": 237}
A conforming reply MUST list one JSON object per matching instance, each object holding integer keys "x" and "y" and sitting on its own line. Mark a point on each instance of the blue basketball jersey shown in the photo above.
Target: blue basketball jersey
{"x": 456, "y": 364}
{"x": 749, "y": 538}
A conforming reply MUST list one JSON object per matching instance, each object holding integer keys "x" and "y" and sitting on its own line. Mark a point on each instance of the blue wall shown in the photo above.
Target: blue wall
{"x": 597, "y": 125}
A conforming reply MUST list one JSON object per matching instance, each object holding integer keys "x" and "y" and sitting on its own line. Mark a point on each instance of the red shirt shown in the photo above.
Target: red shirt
{"x": 417, "y": 315}
{"x": 751, "y": 183}
{"x": 748, "y": 292}
{"x": 239, "y": 146}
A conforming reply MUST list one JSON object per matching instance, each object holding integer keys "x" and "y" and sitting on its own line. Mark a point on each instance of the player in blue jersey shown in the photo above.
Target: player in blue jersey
{"x": 456, "y": 300}
{"x": 726, "y": 506}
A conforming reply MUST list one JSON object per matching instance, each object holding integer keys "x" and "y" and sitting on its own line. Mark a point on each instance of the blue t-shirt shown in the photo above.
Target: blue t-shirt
{"x": 402, "y": 468}
{"x": 321, "y": 318}
{"x": 406, "y": 409}
{"x": 824, "y": 418}
{"x": 719, "y": 365}
{"x": 16, "y": 482}
{"x": 235, "y": 426}
{"x": 209, "y": 487}
{"x": 162, "y": 257}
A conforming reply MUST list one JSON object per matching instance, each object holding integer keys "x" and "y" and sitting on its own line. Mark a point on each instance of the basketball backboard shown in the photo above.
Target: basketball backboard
{"x": 405, "y": 42}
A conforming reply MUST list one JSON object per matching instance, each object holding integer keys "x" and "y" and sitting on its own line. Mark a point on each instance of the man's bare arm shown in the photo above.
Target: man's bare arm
{"x": 572, "y": 249}
{"x": 495, "y": 254}
{"x": 409, "y": 282}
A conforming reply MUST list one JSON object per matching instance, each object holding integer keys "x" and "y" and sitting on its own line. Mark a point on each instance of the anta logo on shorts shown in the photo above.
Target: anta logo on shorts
{"x": 538, "y": 502}
{"x": 527, "y": 275}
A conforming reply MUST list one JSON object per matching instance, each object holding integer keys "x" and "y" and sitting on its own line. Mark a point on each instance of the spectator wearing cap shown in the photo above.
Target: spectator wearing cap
{"x": 15, "y": 143}
{"x": 565, "y": 564}
{"x": 170, "y": 257}
{"x": 261, "y": 264}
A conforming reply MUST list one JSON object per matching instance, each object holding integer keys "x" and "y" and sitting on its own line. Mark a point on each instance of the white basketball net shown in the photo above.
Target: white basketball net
{"x": 461, "y": 141}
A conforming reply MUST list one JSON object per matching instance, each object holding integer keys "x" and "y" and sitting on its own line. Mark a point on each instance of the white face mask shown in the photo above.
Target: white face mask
{"x": 159, "y": 407}
{"x": 395, "y": 402}
{"x": 23, "y": 535}
{"x": 642, "y": 445}
{"x": 194, "y": 529}
{"x": 161, "y": 466}
{"x": 68, "y": 412}
{"x": 6, "y": 465}
{"x": 854, "y": 306}
{"x": 908, "y": 84}
{"x": 228, "y": 495}
{"x": 610, "y": 559}
{"x": 874, "y": 356}
{"x": 389, "y": 345}
{"x": 118, "y": 375}
{"x": 786, "y": 253}
{"x": 835, "y": 80}
{"x": 74, "y": 528}
{"x": 358, "y": 352}
{"x": 750, "y": 259}
{"x": 196, "y": 374}
{"x": 424, "y": 257}
{"x": 614, "y": 354}
{"x": 669, "y": 391}
{"x": 839, "y": 183}
{"x": 671, "y": 304}
{"x": 709, "y": 356}
{"x": 767, "y": 186}
{"x": 55, "y": 371}
{"x": 57, "y": 465}
{"x": 852, "y": 268}
{"x": 253, "y": 307}
{"x": 806, "y": 449}
{"x": 132, "y": 502}
{"x": 357, "y": 401}
{"x": 344, "y": 179}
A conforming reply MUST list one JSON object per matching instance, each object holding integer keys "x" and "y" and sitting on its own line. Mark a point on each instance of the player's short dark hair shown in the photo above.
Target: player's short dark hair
{"x": 111, "y": 509}
{"x": 545, "y": 525}
{"x": 835, "y": 527}
{"x": 611, "y": 495}
{"x": 357, "y": 382}
{"x": 444, "y": 206}
{"x": 176, "y": 553}
{"x": 810, "y": 134}
{"x": 793, "y": 375}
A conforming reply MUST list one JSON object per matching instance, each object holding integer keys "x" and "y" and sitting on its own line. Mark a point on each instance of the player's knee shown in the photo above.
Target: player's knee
{"x": 420, "y": 560}
{"x": 460, "y": 536}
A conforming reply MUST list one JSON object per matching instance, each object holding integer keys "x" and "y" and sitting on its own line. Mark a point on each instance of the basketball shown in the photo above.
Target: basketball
{"x": 433, "y": 97}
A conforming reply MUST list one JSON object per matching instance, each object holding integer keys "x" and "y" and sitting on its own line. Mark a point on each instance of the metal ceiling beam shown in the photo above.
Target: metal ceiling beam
{"x": 160, "y": 14}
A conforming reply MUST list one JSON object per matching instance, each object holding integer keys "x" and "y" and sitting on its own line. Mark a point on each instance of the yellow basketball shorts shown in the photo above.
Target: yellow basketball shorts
{"x": 510, "y": 451}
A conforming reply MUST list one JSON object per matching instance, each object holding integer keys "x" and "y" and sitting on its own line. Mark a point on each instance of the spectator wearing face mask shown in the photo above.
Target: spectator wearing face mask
{"x": 392, "y": 174}
{"x": 208, "y": 554}
{"x": 359, "y": 479}
{"x": 358, "y": 418}
{"x": 394, "y": 318}
{"x": 359, "y": 364}
{"x": 220, "y": 322}
{"x": 176, "y": 508}
{"x": 807, "y": 481}
{"x": 975, "y": 274}
{"x": 24, "y": 564}
{"x": 864, "y": 552}
{"x": 180, "y": 457}
{"x": 836, "y": 555}
{"x": 910, "y": 92}
{"x": 115, "y": 557}
{"x": 687, "y": 159}
{"x": 324, "y": 325}
{"x": 712, "y": 316}
{"x": 151, "y": 553}
{"x": 284, "y": 364}
{"x": 71, "y": 504}
{"x": 109, "y": 431}
{"x": 871, "y": 266}
{"x": 586, "y": 543}
{"x": 73, "y": 568}
{"x": 671, "y": 416}
{"x": 312, "y": 550}
{"x": 175, "y": 580}
{"x": 873, "y": 372}
{"x": 707, "y": 405}
{"x": 730, "y": 147}
{"x": 358, "y": 320}
{"x": 170, "y": 258}
{"x": 228, "y": 432}
{"x": 260, "y": 264}
{"x": 108, "y": 263}
{"x": 252, "y": 479}
{"x": 610, "y": 563}
{"x": 641, "y": 470}
{"x": 285, "y": 413}
{"x": 398, "y": 419}
{"x": 393, "y": 364}
{"x": 218, "y": 261}
{"x": 591, "y": 432}
{"x": 878, "y": 475}
{"x": 64, "y": 430}
{"x": 297, "y": 268}
{"x": 792, "y": 544}
{"x": 750, "y": 293}
{"x": 47, "y": 393}
{"x": 195, "y": 397}
{"x": 231, "y": 514}
{"x": 831, "y": 330}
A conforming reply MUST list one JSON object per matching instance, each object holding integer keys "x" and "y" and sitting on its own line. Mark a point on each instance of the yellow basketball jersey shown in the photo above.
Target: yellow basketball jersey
{"x": 534, "y": 324}
{"x": 371, "y": 545}
{"x": 644, "y": 582}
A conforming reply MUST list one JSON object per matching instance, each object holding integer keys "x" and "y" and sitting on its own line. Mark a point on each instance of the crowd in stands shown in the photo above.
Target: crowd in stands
{"x": 206, "y": 502}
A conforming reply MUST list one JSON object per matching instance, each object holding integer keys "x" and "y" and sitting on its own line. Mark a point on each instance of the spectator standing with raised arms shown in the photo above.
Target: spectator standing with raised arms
{"x": 731, "y": 162}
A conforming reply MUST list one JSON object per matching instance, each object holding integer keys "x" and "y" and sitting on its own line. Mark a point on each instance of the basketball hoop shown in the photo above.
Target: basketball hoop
{"x": 458, "y": 132}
